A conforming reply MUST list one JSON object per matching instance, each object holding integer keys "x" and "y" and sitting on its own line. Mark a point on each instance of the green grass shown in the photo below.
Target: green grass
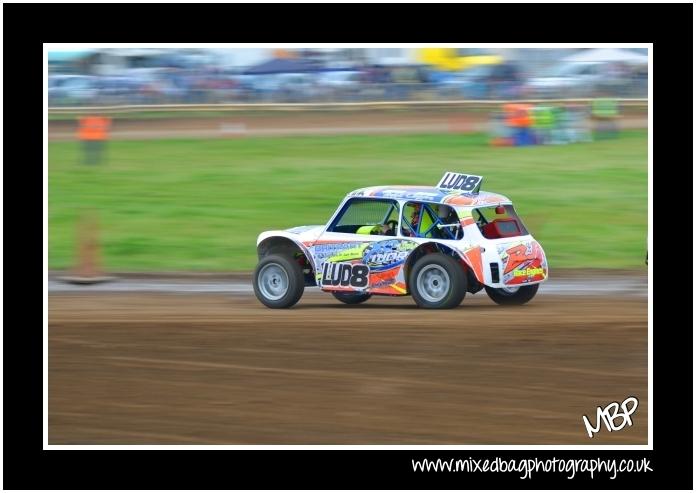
{"x": 199, "y": 204}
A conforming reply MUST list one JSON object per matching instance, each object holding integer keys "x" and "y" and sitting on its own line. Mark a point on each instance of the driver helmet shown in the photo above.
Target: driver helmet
{"x": 415, "y": 216}
{"x": 416, "y": 212}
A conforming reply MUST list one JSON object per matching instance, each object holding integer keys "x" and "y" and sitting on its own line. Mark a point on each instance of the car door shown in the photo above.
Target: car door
{"x": 340, "y": 252}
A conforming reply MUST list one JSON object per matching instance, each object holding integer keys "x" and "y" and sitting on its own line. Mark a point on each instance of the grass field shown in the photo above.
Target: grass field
{"x": 199, "y": 204}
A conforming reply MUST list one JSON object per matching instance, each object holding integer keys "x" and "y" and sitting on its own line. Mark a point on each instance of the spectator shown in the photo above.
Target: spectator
{"x": 605, "y": 112}
{"x": 93, "y": 133}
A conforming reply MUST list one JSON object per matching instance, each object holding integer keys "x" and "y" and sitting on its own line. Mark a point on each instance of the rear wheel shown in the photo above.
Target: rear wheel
{"x": 518, "y": 295}
{"x": 278, "y": 281}
{"x": 437, "y": 281}
{"x": 351, "y": 298}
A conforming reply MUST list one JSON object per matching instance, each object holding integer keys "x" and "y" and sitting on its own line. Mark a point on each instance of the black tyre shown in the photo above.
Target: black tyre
{"x": 351, "y": 298}
{"x": 511, "y": 296}
{"x": 437, "y": 281}
{"x": 278, "y": 281}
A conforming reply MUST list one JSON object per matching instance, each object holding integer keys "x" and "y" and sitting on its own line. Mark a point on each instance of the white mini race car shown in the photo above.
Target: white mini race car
{"x": 434, "y": 243}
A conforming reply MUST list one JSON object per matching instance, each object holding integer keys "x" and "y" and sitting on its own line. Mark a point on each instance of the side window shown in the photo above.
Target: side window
{"x": 499, "y": 222}
{"x": 428, "y": 220}
{"x": 364, "y": 216}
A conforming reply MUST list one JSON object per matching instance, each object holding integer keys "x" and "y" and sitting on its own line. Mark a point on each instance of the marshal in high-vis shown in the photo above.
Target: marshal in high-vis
{"x": 433, "y": 243}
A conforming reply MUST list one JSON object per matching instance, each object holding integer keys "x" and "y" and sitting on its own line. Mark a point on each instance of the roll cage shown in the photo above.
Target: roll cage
{"x": 447, "y": 231}
{"x": 434, "y": 217}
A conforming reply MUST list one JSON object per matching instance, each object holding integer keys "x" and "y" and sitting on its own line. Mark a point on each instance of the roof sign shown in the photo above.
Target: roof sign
{"x": 460, "y": 182}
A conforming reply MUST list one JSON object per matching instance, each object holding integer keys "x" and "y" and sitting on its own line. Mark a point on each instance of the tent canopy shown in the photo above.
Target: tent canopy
{"x": 607, "y": 55}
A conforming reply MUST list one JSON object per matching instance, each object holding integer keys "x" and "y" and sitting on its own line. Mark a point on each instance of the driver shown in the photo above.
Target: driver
{"x": 387, "y": 229}
{"x": 415, "y": 217}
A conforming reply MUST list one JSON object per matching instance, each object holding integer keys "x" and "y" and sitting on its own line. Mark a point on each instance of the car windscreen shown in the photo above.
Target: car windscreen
{"x": 358, "y": 212}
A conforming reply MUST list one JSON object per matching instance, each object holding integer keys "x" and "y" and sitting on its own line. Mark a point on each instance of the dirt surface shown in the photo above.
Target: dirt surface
{"x": 215, "y": 369}
{"x": 558, "y": 273}
{"x": 301, "y": 123}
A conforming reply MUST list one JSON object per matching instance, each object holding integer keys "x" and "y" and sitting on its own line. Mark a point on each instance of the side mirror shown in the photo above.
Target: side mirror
{"x": 500, "y": 210}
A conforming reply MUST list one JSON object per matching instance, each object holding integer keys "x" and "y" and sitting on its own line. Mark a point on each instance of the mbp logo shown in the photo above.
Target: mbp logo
{"x": 610, "y": 414}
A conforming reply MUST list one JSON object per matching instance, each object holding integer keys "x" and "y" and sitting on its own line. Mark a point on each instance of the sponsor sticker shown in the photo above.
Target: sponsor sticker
{"x": 529, "y": 272}
{"x": 385, "y": 255}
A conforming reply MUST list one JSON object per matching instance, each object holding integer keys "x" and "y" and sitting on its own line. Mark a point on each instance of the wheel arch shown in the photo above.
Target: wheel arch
{"x": 277, "y": 243}
{"x": 472, "y": 273}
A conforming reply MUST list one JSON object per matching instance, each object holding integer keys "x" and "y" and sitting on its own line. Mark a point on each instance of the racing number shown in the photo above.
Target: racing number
{"x": 345, "y": 274}
{"x": 470, "y": 183}
{"x": 457, "y": 181}
{"x": 516, "y": 256}
{"x": 360, "y": 276}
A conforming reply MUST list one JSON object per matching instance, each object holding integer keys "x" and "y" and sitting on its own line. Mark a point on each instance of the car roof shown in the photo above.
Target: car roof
{"x": 431, "y": 194}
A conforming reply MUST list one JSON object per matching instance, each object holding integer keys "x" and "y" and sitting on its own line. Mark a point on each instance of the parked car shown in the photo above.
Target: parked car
{"x": 338, "y": 85}
{"x": 71, "y": 89}
{"x": 293, "y": 88}
{"x": 433, "y": 243}
{"x": 339, "y": 78}
{"x": 571, "y": 79}
{"x": 499, "y": 81}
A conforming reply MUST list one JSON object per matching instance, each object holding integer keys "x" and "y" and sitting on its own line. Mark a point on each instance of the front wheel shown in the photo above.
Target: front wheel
{"x": 512, "y": 295}
{"x": 351, "y": 298}
{"x": 437, "y": 281}
{"x": 278, "y": 281}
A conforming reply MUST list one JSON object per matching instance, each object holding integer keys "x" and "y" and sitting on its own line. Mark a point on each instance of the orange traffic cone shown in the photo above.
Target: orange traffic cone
{"x": 88, "y": 268}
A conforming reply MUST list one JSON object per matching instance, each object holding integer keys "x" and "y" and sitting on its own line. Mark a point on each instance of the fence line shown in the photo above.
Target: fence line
{"x": 638, "y": 102}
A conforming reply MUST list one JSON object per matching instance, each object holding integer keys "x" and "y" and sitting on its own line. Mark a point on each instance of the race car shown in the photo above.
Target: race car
{"x": 433, "y": 243}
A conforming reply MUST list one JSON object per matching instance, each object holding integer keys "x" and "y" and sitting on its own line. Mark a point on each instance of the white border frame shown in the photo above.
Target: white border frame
{"x": 76, "y": 46}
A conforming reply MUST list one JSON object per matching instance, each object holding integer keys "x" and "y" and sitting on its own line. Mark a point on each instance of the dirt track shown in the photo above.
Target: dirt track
{"x": 302, "y": 123}
{"x": 214, "y": 369}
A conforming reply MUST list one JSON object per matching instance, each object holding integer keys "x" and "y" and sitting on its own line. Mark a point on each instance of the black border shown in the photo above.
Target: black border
{"x": 27, "y": 26}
